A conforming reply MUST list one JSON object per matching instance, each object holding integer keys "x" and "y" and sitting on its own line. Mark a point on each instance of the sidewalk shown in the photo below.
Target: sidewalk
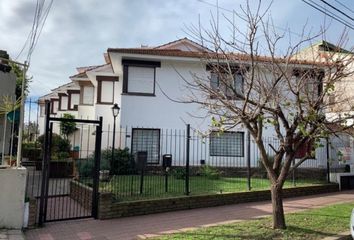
{"x": 132, "y": 227}
{"x": 11, "y": 234}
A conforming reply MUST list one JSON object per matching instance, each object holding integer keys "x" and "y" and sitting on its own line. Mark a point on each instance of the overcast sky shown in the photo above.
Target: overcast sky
{"x": 78, "y": 32}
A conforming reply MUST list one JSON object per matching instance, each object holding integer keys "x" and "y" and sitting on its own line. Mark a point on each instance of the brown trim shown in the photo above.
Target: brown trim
{"x": 141, "y": 63}
{"x": 101, "y": 79}
{"x": 126, "y": 77}
{"x": 70, "y": 92}
{"x": 85, "y": 84}
{"x": 52, "y": 100}
{"x": 60, "y": 98}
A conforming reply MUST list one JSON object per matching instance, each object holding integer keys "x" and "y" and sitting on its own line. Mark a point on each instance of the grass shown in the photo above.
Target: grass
{"x": 311, "y": 224}
{"x": 127, "y": 187}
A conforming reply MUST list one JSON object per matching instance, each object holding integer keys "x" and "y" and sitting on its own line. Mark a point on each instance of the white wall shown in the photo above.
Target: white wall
{"x": 12, "y": 197}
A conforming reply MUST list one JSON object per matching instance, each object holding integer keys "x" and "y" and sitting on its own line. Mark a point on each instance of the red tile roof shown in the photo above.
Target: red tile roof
{"x": 205, "y": 55}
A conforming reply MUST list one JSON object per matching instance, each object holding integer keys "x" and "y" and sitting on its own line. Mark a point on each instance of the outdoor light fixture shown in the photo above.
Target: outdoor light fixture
{"x": 115, "y": 110}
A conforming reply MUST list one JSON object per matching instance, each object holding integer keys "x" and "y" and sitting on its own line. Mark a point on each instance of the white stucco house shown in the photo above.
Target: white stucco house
{"x": 148, "y": 84}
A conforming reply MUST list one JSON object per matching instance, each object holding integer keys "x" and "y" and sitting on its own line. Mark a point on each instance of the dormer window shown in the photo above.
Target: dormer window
{"x": 139, "y": 77}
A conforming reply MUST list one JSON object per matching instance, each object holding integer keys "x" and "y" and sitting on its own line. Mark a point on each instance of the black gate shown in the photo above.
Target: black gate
{"x": 69, "y": 177}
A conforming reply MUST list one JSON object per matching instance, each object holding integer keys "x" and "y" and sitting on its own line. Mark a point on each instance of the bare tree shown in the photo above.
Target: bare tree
{"x": 276, "y": 91}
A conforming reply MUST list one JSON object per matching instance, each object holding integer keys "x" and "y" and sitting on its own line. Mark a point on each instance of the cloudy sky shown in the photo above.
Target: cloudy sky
{"x": 78, "y": 32}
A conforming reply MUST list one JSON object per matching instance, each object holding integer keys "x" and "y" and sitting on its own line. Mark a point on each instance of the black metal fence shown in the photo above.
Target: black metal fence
{"x": 178, "y": 161}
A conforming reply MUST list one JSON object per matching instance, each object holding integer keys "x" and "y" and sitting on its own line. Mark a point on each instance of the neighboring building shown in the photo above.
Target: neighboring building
{"x": 149, "y": 84}
{"x": 7, "y": 89}
{"x": 341, "y": 100}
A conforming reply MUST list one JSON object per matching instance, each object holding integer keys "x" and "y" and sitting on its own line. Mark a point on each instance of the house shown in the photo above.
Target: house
{"x": 7, "y": 90}
{"x": 340, "y": 101}
{"x": 149, "y": 85}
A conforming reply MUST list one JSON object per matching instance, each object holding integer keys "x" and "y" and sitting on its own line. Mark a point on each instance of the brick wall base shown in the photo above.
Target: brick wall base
{"x": 111, "y": 209}
{"x": 81, "y": 193}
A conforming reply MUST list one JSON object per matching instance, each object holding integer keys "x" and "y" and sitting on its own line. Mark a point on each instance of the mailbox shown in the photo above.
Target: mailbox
{"x": 167, "y": 160}
{"x": 141, "y": 159}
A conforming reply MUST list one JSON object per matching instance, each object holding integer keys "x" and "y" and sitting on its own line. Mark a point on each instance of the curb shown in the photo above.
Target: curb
{"x": 341, "y": 236}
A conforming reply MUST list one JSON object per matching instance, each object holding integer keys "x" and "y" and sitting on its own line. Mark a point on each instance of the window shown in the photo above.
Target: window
{"x": 54, "y": 106}
{"x": 227, "y": 144}
{"x": 105, "y": 89}
{"x": 74, "y": 99}
{"x": 87, "y": 95}
{"x": 304, "y": 149}
{"x": 313, "y": 80}
{"x": 227, "y": 84}
{"x": 139, "y": 77}
{"x": 147, "y": 140}
{"x": 63, "y": 101}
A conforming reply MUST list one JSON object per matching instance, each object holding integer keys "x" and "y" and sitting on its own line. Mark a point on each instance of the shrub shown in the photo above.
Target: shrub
{"x": 179, "y": 173}
{"x": 123, "y": 163}
{"x": 209, "y": 172}
{"x": 67, "y": 128}
{"x": 60, "y": 146}
{"x": 31, "y": 150}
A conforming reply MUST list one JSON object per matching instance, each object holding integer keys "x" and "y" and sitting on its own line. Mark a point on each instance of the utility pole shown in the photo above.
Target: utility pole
{"x": 22, "y": 109}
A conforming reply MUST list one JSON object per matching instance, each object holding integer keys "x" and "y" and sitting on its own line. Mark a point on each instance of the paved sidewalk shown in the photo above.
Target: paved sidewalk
{"x": 11, "y": 234}
{"x": 132, "y": 227}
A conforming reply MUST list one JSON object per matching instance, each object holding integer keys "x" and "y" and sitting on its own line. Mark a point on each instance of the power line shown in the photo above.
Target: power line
{"x": 325, "y": 11}
{"x": 338, "y": 10}
{"x": 233, "y": 12}
{"x": 343, "y": 5}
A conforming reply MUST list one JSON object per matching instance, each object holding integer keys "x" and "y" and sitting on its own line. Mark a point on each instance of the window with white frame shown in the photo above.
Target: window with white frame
{"x": 227, "y": 144}
{"x": 87, "y": 95}
{"x": 147, "y": 140}
{"x": 139, "y": 77}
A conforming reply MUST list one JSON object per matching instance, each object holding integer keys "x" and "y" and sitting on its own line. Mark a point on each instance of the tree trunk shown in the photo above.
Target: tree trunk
{"x": 278, "y": 210}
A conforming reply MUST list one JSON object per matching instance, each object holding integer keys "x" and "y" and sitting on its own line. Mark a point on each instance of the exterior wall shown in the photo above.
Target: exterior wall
{"x": 12, "y": 189}
{"x": 110, "y": 209}
{"x": 8, "y": 86}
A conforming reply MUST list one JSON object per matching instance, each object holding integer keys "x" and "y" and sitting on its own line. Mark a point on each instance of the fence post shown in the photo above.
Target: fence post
{"x": 45, "y": 161}
{"x": 187, "y": 158}
{"x": 327, "y": 155}
{"x": 96, "y": 176}
{"x": 248, "y": 161}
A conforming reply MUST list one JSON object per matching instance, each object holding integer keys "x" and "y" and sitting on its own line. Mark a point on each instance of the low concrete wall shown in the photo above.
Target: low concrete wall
{"x": 12, "y": 197}
{"x": 110, "y": 209}
{"x": 81, "y": 193}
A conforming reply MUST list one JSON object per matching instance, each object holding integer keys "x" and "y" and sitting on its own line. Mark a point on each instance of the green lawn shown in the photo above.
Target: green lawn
{"x": 310, "y": 225}
{"x": 127, "y": 187}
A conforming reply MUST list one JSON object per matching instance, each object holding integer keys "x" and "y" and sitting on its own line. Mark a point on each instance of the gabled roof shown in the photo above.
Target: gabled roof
{"x": 83, "y": 70}
{"x": 184, "y": 44}
{"x": 328, "y": 47}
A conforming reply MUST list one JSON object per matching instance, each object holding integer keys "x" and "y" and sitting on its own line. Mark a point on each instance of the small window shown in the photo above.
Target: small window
{"x": 147, "y": 140}
{"x": 54, "y": 106}
{"x": 105, "y": 89}
{"x": 227, "y": 84}
{"x": 227, "y": 144}
{"x": 139, "y": 77}
{"x": 74, "y": 99}
{"x": 63, "y": 102}
{"x": 87, "y": 95}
